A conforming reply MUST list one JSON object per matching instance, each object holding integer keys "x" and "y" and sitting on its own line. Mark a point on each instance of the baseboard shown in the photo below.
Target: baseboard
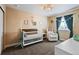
{"x": 9, "y": 45}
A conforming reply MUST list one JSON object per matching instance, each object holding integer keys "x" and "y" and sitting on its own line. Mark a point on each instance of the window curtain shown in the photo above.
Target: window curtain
{"x": 58, "y": 21}
{"x": 69, "y": 22}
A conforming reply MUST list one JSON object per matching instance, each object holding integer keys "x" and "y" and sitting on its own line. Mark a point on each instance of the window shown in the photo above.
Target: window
{"x": 63, "y": 25}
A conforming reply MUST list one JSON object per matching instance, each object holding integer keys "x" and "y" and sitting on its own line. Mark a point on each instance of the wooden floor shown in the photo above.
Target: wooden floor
{"x": 41, "y": 48}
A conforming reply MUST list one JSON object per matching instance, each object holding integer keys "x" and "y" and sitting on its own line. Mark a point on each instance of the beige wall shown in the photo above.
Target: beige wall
{"x": 75, "y": 20}
{"x": 52, "y": 26}
{"x": 15, "y": 21}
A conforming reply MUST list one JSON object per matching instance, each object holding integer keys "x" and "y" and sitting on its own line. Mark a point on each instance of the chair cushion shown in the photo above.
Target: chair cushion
{"x": 76, "y": 37}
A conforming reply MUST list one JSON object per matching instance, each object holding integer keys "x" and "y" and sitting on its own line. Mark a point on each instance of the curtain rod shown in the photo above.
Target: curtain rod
{"x": 65, "y": 14}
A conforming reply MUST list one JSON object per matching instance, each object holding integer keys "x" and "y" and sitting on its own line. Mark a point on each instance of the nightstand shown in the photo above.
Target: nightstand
{"x": 45, "y": 36}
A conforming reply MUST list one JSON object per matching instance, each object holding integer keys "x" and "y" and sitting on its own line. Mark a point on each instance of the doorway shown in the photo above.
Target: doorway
{"x": 1, "y": 29}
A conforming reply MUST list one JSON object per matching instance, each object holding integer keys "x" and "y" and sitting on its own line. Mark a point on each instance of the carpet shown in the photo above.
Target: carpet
{"x": 41, "y": 48}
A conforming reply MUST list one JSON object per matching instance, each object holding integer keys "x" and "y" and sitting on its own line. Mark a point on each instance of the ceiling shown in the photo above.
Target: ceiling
{"x": 35, "y": 8}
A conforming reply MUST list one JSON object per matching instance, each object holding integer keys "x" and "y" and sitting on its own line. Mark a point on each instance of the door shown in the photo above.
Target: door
{"x": 1, "y": 30}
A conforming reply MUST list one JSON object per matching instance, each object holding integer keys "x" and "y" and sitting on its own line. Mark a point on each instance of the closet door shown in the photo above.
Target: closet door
{"x": 1, "y": 30}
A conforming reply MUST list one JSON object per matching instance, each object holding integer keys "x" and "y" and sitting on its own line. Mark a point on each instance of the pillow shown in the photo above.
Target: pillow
{"x": 76, "y": 37}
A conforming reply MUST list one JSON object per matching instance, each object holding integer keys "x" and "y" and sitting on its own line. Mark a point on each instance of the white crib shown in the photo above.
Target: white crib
{"x": 30, "y": 36}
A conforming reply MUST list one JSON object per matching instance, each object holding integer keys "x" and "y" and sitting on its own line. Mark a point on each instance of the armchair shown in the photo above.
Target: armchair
{"x": 52, "y": 36}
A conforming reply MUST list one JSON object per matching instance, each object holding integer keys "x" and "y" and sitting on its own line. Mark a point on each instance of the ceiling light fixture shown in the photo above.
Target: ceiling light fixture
{"x": 47, "y": 7}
